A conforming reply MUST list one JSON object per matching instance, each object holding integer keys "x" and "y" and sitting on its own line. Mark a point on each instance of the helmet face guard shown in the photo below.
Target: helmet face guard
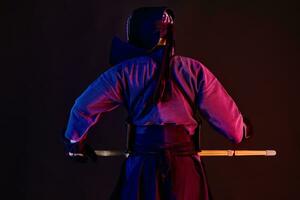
{"x": 147, "y": 25}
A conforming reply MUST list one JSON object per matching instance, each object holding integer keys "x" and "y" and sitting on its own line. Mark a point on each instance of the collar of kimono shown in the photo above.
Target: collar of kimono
{"x": 121, "y": 51}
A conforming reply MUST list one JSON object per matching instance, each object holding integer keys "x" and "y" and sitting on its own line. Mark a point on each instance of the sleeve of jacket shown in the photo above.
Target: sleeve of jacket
{"x": 103, "y": 95}
{"x": 218, "y": 107}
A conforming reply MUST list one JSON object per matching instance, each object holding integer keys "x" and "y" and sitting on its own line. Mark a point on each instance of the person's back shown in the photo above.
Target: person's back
{"x": 137, "y": 79}
{"x": 161, "y": 92}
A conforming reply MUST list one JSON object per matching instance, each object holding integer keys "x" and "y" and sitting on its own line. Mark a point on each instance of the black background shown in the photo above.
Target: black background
{"x": 52, "y": 50}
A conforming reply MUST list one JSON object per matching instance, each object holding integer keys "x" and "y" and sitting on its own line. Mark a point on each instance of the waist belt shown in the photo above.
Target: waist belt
{"x": 155, "y": 139}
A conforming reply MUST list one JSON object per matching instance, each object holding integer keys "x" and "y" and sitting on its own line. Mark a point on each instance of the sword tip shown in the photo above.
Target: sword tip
{"x": 270, "y": 153}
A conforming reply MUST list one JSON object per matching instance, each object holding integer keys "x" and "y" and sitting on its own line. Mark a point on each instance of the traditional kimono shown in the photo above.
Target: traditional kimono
{"x": 124, "y": 84}
{"x": 158, "y": 176}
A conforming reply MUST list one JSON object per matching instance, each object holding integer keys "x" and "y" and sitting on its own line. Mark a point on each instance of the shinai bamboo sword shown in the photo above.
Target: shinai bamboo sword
{"x": 105, "y": 153}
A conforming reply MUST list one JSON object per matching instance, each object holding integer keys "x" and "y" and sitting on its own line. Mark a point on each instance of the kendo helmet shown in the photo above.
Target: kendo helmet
{"x": 148, "y": 27}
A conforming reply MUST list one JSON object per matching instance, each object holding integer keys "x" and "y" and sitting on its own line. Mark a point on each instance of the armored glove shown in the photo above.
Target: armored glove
{"x": 79, "y": 151}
